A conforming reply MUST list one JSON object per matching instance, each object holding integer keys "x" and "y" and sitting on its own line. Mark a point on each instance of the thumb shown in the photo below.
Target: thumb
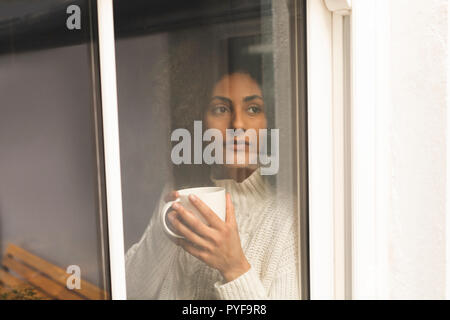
{"x": 230, "y": 218}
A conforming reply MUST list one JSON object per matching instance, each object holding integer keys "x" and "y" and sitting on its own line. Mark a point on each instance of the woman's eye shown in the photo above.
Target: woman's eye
{"x": 254, "y": 109}
{"x": 220, "y": 109}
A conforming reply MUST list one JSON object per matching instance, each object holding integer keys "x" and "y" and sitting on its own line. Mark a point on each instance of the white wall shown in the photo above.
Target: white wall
{"x": 419, "y": 94}
{"x": 403, "y": 256}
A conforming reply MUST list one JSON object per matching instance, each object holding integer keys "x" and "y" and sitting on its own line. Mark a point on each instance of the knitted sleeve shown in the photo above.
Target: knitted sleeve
{"x": 148, "y": 262}
{"x": 247, "y": 287}
{"x": 284, "y": 286}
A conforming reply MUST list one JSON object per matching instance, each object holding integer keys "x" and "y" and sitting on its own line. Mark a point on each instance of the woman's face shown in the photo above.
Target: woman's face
{"x": 237, "y": 103}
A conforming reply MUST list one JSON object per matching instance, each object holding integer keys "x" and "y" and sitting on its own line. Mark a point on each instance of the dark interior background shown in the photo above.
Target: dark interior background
{"x": 49, "y": 189}
{"x": 167, "y": 55}
{"x": 49, "y": 179}
{"x": 48, "y": 168}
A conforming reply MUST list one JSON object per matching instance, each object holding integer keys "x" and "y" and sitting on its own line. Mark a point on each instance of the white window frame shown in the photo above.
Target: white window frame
{"x": 112, "y": 147}
{"x": 348, "y": 142}
{"x": 113, "y": 182}
{"x": 320, "y": 150}
{"x": 329, "y": 99}
{"x": 371, "y": 145}
{"x": 327, "y": 135}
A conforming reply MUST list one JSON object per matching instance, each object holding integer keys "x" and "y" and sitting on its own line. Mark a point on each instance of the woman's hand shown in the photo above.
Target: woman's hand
{"x": 171, "y": 196}
{"x": 216, "y": 244}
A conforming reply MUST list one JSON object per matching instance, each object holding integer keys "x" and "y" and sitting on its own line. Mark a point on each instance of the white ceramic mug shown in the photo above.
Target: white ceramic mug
{"x": 213, "y": 197}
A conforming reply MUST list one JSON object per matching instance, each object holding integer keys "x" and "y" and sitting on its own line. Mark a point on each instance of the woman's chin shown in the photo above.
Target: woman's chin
{"x": 242, "y": 160}
{"x": 241, "y": 166}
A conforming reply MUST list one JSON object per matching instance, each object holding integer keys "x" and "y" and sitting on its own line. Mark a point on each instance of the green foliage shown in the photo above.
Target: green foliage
{"x": 20, "y": 294}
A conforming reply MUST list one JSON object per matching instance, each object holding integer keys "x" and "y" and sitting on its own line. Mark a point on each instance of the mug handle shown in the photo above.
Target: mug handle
{"x": 163, "y": 215}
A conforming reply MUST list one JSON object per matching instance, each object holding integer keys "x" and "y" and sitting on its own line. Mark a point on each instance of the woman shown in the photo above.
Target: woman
{"x": 253, "y": 254}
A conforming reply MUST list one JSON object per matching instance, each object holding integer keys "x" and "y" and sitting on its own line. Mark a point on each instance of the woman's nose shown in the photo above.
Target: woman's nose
{"x": 238, "y": 121}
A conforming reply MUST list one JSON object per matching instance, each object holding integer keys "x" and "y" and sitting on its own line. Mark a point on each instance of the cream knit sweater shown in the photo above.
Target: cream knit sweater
{"x": 157, "y": 269}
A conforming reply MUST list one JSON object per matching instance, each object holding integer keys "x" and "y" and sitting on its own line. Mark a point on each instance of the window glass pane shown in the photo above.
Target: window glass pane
{"x": 52, "y": 244}
{"x": 211, "y": 96}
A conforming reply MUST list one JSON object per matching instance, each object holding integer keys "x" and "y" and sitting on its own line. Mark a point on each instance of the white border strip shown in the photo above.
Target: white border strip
{"x": 112, "y": 147}
{"x": 383, "y": 145}
{"x": 363, "y": 149}
{"x": 370, "y": 148}
{"x": 447, "y": 216}
{"x": 320, "y": 150}
{"x": 339, "y": 157}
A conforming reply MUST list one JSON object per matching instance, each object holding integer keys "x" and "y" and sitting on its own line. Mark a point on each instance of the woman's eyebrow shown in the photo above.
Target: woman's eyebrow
{"x": 250, "y": 98}
{"x": 223, "y": 99}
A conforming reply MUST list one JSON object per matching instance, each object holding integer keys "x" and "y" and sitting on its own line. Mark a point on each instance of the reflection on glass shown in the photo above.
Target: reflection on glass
{"x": 51, "y": 244}
{"x": 209, "y": 149}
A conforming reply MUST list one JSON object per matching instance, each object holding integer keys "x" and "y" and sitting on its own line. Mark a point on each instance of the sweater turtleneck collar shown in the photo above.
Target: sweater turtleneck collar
{"x": 253, "y": 190}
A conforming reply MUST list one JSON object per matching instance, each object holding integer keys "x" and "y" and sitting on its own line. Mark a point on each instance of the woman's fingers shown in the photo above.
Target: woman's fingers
{"x": 172, "y": 196}
{"x": 209, "y": 215}
{"x": 169, "y": 222}
{"x": 184, "y": 231}
{"x": 191, "y": 221}
{"x": 191, "y": 249}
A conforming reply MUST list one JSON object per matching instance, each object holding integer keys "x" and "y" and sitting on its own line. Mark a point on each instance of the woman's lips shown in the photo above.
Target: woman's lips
{"x": 238, "y": 145}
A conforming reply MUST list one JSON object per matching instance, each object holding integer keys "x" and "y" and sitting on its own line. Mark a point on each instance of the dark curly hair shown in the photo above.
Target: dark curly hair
{"x": 195, "y": 68}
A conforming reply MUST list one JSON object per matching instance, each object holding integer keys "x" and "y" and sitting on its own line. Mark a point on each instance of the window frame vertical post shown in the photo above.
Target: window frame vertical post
{"x": 111, "y": 148}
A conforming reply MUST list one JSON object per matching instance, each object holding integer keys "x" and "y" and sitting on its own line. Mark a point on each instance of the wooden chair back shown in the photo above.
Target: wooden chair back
{"x": 21, "y": 271}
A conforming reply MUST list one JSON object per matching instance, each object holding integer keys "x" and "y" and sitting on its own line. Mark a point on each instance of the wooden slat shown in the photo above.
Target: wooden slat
{"x": 48, "y": 286}
{"x": 4, "y": 289}
{"x": 10, "y": 282}
{"x": 87, "y": 290}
